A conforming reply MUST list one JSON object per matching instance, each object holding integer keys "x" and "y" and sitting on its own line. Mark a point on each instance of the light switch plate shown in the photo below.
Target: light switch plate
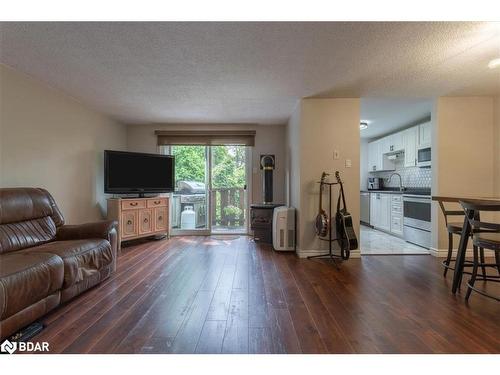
{"x": 348, "y": 163}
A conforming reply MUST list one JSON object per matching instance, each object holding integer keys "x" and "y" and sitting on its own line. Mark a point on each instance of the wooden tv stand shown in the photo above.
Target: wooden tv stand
{"x": 139, "y": 217}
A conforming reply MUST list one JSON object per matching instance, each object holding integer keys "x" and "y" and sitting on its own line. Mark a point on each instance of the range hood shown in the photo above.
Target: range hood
{"x": 395, "y": 155}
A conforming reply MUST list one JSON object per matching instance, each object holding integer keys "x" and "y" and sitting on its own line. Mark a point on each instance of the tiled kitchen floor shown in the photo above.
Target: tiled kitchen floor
{"x": 375, "y": 242}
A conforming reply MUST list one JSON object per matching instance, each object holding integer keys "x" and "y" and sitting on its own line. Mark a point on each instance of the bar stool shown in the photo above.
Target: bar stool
{"x": 485, "y": 235}
{"x": 455, "y": 228}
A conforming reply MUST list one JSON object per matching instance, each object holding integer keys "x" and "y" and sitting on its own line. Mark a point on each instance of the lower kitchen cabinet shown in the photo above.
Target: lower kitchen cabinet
{"x": 397, "y": 215}
{"x": 386, "y": 212}
{"x": 380, "y": 211}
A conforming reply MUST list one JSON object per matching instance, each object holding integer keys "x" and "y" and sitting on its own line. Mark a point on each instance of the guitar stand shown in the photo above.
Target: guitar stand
{"x": 330, "y": 240}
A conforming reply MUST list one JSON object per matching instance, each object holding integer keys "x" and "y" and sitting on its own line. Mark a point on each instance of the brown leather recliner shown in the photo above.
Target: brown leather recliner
{"x": 43, "y": 262}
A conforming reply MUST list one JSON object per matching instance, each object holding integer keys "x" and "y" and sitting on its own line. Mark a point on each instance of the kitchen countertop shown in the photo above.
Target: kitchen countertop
{"x": 409, "y": 191}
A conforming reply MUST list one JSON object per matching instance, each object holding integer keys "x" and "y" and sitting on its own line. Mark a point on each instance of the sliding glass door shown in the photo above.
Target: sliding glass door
{"x": 189, "y": 207}
{"x": 210, "y": 189}
{"x": 228, "y": 189}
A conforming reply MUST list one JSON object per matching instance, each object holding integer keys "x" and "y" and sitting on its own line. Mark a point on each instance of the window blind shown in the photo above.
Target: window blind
{"x": 207, "y": 138}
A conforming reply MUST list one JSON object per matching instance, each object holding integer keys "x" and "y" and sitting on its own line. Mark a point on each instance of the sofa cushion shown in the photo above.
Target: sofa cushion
{"x": 26, "y": 278}
{"x": 24, "y": 234}
{"x": 28, "y": 217}
{"x": 82, "y": 258}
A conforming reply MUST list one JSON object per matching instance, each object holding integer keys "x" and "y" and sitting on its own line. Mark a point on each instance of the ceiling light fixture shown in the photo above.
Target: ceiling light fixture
{"x": 363, "y": 125}
{"x": 494, "y": 63}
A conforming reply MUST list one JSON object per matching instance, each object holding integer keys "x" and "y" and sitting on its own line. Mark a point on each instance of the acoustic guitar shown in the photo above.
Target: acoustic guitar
{"x": 322, "y": 223}
{"x": 343, "y": 223}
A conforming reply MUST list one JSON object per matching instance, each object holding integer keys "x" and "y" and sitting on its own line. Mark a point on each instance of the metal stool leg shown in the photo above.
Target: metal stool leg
{"x": 450, "y": 251}
{"x": 472, "y": 280}
{"x": 481, "y": 257}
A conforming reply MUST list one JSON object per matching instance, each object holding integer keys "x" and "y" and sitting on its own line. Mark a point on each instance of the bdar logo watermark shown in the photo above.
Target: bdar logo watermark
{"x": 8, "y": 347}
{"x": 11, "y": 347}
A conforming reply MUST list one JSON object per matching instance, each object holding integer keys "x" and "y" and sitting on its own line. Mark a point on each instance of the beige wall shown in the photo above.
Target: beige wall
{"x": 50, "y": 140}
{"x": 496, "y": 144}
{"x": 269, "y": 139}
{"x": 464, "y": 153}
{"x": 317, "y": 128}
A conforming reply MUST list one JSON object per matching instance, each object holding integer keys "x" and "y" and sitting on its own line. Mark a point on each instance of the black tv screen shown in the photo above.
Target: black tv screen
{"x": 132, "y": 172}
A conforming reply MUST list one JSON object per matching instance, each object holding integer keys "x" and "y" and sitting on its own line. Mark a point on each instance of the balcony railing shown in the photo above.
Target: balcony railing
{"x": 228, "y": 207}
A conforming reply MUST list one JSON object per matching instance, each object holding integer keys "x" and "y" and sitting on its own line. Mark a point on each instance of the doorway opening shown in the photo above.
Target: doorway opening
{"x": 210, "y": 194}
{"x": 395, "y": 175}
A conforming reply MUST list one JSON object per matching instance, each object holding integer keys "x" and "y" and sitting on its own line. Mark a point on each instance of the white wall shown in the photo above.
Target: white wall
{"x": 293, "y": 151}
{"x": 50, "y": 140}
{"x": 463, "y": 156}
{"x": 317, "y": 128}
{"x": 269, "y": 139}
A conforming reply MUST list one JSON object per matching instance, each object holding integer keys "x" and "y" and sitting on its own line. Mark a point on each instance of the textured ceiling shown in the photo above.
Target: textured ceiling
{"x": 249, "y": 72}
{"x": 386, "y": 115}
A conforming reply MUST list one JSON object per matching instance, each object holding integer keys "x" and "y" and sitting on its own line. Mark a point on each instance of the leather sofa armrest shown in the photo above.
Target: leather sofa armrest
{"x": 106, "y": 230}
{"x": 100, "y": 229}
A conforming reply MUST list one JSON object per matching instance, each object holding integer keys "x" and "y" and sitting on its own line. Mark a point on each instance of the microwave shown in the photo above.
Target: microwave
{"x": 424, "y": 156}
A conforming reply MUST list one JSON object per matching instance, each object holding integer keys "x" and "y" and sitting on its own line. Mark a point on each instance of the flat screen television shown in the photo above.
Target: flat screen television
{"x": 133, "y": 172}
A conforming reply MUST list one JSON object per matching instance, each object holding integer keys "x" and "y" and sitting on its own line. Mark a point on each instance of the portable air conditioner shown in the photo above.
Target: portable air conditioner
{"x": 284, "y": 228}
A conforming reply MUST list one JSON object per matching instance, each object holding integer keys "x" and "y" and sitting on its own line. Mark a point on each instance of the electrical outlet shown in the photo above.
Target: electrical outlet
{"x": 336, "y": 154}
{"x": 348, "y": 163}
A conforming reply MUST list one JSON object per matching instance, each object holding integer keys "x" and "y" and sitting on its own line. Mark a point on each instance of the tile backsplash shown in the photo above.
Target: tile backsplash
{"x": 413, "y": 177}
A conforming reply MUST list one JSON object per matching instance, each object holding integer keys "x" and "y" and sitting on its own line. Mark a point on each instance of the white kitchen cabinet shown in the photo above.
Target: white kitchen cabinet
{"x": 392, "y": 143}
{"x": 377, "y": 161}
{"x": 385, "y": 212}
{"x": 385, "y": 144}
{"x": 397, "y": 214}
{"x": 374, "y": 209}
{"x": 410, "y": 137}
{"x": 407, "y": 140}
{"x": 372, "y": 156}
{"x": 397, "y": 143}
{"x": 380, "y": 211}
{"x": 424, "y": 134}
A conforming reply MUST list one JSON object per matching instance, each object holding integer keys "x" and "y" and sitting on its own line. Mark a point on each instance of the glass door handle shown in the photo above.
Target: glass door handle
{"x": 244, "y": 187}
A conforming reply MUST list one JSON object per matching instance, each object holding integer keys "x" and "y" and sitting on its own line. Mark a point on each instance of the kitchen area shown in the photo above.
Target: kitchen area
{"x": 396, "y": 162}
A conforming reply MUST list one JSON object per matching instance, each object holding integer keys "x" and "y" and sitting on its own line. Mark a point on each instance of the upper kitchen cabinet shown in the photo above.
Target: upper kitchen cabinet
{"x": 377, "y": 161}
{"x": 372, "y": 155}
{"x": 392, "y": 143}
{"x": 384, "y": 145}
{"x": 410, "y": 137}
{"x": 407, "y": 140}
{"x": 397, "y": 142}
{"x": 424, "y": 134}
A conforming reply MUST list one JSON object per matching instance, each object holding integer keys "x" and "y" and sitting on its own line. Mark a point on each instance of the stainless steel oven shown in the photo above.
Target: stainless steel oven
{"x": 417, "y": 219}
{"x": 424, "y": 158}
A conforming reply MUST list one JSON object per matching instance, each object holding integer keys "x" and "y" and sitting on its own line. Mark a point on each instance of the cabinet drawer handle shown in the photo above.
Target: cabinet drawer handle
{"x": 134, "y": 204}
{"x": 157, "y": 202}
{"x": 129, "y": 222}
{"x": 146, "y": 220}
{"x": 160, "y": 218}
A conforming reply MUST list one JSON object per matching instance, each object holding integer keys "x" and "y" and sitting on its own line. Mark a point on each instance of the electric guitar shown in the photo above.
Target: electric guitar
{"x": 343, "y": 223}
{"x": 322, "y": 223}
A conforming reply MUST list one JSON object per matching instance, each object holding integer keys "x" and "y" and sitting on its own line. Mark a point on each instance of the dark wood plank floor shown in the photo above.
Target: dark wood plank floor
{"x": 216, "y": 295}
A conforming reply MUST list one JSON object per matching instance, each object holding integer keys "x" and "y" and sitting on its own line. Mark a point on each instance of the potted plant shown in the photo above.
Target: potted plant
{"x": 232, "y": 214}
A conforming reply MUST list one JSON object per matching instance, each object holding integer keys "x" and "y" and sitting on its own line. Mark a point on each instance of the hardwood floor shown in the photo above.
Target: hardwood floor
{"x": 216, "y": 295}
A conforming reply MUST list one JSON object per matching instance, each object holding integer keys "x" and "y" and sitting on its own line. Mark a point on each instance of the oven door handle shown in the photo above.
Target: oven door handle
{"x": 417, "y": 200}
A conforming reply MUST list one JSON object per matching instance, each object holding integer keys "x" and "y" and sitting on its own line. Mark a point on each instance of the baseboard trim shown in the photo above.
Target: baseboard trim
{"x": 308, "y": 253}
{"x": 442, "y": 253}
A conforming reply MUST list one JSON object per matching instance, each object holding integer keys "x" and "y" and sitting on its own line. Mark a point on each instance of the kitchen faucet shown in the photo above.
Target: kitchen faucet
{"x": 401, "y": 187}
